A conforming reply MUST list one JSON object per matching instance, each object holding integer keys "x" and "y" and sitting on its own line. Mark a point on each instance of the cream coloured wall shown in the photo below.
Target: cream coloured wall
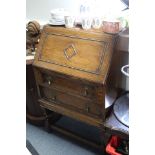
{"x": 40, "y": 9}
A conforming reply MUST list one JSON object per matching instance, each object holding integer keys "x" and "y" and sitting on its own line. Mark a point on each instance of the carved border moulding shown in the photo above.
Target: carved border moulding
{"x": 68, "y": 57}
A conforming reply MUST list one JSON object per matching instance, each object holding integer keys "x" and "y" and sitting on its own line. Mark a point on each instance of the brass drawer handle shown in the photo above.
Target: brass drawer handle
{"x": 87, "y": 108}
{"x": 54, "y": 98}
{"x": 49, "y": 82}
{"x": 86, "y": 91}
{"x": 48, "y": 79}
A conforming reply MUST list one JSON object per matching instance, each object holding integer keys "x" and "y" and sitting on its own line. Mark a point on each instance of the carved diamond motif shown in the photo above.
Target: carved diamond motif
{"x": 70, "y": 51}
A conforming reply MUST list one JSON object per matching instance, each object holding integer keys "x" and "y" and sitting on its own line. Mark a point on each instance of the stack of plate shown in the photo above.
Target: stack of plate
{"x": 57, "y": 16}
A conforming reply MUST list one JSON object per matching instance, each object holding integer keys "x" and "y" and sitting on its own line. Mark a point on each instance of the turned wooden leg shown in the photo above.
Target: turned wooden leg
{"x": 47, "y": 125}
{"x": 51, "y": 118}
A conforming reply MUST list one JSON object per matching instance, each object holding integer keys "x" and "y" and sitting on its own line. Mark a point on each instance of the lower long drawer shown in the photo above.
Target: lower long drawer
{"x": 85, "y": 106}
{"x": 71, "y": 113}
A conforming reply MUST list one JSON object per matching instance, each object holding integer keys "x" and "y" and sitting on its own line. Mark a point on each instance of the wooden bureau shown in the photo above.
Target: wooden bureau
{"x": 73, "y": 73}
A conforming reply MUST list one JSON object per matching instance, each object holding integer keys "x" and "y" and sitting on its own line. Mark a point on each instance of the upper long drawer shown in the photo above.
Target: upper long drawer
{"x": 75, "y": 54}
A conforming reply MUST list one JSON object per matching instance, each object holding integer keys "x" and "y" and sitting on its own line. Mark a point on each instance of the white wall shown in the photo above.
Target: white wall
{"x": 40, "y": 9}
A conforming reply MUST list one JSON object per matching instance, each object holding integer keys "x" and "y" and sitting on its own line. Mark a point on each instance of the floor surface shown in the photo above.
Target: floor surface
{"x": 55, "y": 143}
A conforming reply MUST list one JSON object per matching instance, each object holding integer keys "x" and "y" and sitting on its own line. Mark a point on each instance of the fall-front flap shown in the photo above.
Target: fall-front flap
{"x": 75, "y": 52}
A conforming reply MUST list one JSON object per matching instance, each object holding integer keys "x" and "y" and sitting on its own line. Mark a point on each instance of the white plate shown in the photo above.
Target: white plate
{"x": 56, "y": 20}
{"x": 56, "y": 23}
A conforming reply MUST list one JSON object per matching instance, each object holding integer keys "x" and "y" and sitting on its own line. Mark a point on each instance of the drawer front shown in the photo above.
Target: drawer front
{"x": 68, "y": 85}
{"x": 70, "y": 52}
{"x": 69, "y": 101}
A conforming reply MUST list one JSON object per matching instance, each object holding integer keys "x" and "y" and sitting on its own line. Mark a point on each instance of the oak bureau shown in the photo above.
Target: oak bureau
{"x": 73, "y": 73}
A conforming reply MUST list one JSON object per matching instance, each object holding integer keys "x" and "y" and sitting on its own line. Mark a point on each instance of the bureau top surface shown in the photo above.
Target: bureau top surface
{"x": 92, "y": 34}
{"x": 75, "y": 52}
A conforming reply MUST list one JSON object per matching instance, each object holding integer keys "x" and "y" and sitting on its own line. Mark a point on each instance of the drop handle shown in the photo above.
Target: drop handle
{"x": 87, "y": 108}
{"x": 86, "y": 91}
{"x": 49, "y": 82}
{"x": 53, "y": 98}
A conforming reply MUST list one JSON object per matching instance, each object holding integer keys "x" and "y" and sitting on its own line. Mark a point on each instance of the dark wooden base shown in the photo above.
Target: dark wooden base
{"x": 50, "y": 127}
{"x": 106, "y": 132}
